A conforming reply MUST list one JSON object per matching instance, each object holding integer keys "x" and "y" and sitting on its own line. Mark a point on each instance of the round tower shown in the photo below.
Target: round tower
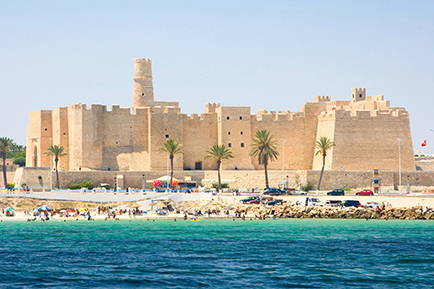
{"x": 143, "y": 93}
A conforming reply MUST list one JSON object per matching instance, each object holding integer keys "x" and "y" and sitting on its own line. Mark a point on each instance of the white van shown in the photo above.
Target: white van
{"x": 308, "y": 201}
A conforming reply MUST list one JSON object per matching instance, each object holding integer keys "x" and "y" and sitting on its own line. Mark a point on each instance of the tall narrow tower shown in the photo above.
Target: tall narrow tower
{"x": 143, "y": 94}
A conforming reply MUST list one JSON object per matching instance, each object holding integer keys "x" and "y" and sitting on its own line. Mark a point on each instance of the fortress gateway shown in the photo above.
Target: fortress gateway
{"x": 365, "y": 130}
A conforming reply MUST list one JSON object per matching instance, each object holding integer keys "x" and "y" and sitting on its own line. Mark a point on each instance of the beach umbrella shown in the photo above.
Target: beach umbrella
{"x": 175, "y": 183}
{"x": 156, "y": 183}
{"x": 159, "y": 204}
{"x": 134, "y": 205}
{"x": 63, "y": 211}
{"x": 81, "y": 210}
{"x": 43, "y": 208}
{"x": 9, "y": 209}
{"x": 69, "y": 211}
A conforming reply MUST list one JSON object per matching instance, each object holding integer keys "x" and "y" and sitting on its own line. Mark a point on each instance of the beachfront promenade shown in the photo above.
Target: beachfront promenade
{"x": 104, "y": 196}
{"x": 394, "y": 198}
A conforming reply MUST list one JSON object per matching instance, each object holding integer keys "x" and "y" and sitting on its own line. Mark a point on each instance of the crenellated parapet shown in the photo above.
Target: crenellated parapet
{"x": 273, "y": 116}
{"x": 211, "y": 107}
{"x": 321, "y": 98}
{"x": 364, "y": 114}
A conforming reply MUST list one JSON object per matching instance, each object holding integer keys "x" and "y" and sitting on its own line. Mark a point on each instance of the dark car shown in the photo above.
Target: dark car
{"x": 365, "y": 192}
{"x": 274, "y": 202}
{"x": 247, "y": 200}
{"x": 352, "y": 203}
{"x": 337, "y": 192}
{"x": 274, "y": 192}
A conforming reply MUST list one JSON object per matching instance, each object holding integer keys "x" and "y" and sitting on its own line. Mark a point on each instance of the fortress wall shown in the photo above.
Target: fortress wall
{"x": 39, "y": 132}
{"x": 325, "y": 128}
{"x": 166, "y": 103}
{"x": 291, "y": 129}
{"x": 242, "y": 179}
{"x": 92, "y": 136}
{"x": 364, "y": 141}
{"x": 60, "y": 135}
{"x": 131, "y": 179}
{"x": 125, "y": 139}
{"x": 234, "y": 131}
{"x": 198, "y": 136}
{"x": 75, "y": 125}
{"x": 164, "y": 123}
{"x": 248, "y": 179}
{"x": 30, "y": 177}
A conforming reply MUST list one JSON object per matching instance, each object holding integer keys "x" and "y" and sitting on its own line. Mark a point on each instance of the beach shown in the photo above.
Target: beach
{"x": 221, "y": 206}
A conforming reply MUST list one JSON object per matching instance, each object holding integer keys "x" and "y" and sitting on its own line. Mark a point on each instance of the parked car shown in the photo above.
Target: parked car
{"x": 352, "y": 203}
{"x": 258, "y": 200}
{"x": 274, "y": 202}
{"x": 308, "y": 201}
{"x": 336, "y": 192}
{"x": 372, "y": 205}
{"x": 365, "y": 192}
{"x": 298, "y": 193}
{"x": 274, "y": 192}
{"x": 333, "y": 203}
{"x": 246, "y": 200}
{"x": 211, "y": 191}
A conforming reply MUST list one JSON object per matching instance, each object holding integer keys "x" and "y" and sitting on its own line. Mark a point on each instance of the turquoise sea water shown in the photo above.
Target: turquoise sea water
{"x": 218, "y": 253}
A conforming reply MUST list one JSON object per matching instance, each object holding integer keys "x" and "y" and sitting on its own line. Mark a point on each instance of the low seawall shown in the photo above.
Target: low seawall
{"x": 299, "y": 212}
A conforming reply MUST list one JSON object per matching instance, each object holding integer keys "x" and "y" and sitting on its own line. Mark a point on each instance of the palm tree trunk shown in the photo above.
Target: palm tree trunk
{"x": 4, "y": 170}
{"x": 266, "y": 175}
{"x": 171, "y": 171}
{"x": 322, "y": 171}
{"x": 219, "y": 178}
{"x": 57, "y": 173}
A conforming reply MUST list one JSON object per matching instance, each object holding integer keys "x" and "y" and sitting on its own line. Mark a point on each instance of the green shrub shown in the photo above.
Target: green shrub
{"x": 20, "y": 161}
{"x": 307, "y": 187}
{"x": 74, "y": 186}
{"x": 347, "y": 189}
{"x": 11, "y": 186}
{"x": 224, "y": 186}
{"x": 107, "y": 186}
{"x": 88, "y": 184}
{"x": 39, "y": 177}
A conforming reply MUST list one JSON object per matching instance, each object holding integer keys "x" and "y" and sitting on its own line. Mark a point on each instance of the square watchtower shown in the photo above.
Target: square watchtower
{"x": 358, "y": 94}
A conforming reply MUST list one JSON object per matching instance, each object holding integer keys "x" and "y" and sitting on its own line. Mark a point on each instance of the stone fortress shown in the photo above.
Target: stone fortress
{"x": 365, "y": 129}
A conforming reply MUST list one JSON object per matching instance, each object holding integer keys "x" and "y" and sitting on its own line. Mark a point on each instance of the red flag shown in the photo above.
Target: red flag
{"x": 424, "y": 143}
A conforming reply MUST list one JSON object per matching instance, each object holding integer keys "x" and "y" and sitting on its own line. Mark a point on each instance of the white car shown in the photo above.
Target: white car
{"x": 372, "y": 205}
{"x": 308, "y": 201}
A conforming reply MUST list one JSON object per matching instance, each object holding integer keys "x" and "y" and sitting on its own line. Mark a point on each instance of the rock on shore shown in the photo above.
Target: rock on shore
{"x": 288, "y": 211}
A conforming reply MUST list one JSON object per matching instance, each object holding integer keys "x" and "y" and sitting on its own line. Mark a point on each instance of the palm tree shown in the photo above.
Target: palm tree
{"x": 172, "y": 148}
{"x": 219, "y": 153}
{"x": 5, "y": 144}
{"x": 323, "y": 145}
{"x": 56, "y": 151}
{"x": 265, "y": 148}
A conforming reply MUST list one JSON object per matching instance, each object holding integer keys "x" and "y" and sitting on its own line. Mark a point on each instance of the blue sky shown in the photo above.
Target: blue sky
{"x": 271, "y": 55}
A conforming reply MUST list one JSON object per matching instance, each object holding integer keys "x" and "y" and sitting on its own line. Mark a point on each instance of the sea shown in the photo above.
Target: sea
{"x": 217, "y": 253}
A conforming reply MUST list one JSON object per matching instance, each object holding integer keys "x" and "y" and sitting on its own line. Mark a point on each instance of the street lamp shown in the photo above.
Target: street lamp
{"x": 51, "y": 166}
{"x": 399, "y": 162}
{"x": 283, "y": 162}
{"x": 143, "y": 182}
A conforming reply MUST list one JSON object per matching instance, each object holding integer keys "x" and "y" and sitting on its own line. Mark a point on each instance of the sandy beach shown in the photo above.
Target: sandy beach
{"x": 220, "y": 203}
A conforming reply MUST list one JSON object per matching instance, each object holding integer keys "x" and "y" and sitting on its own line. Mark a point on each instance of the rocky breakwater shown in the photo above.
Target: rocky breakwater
{"x": 290, "y": 211}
